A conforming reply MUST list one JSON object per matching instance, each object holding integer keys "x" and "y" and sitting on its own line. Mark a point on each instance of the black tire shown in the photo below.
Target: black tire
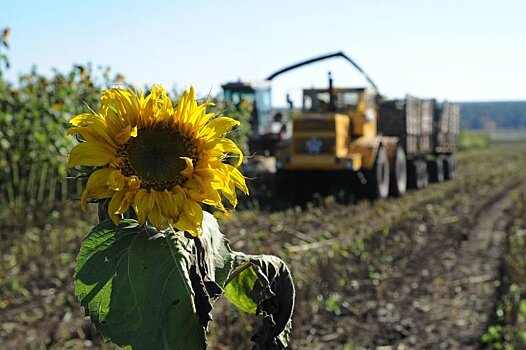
{"x": 417, "y": 176}
{"x": 450, "y": 168}
{"x": 398, "y": 179}
{"x": 436, "y": 170}
{"x": 423, "y": 176}
{"x": 378, "y": 176}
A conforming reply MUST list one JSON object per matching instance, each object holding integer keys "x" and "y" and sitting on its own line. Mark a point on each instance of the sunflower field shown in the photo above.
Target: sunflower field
{"x": 34, "y": 115}
{"x": 34, "y": 118}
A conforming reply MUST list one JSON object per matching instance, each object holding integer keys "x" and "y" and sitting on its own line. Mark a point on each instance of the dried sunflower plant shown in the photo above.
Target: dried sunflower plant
{"x": 149, "y": 272}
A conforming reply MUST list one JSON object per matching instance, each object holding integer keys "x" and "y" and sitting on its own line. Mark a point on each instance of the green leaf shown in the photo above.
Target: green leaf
{"x": 135, "y": 286}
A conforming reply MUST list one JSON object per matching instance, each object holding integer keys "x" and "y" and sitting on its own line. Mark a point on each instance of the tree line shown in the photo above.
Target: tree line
{"x": 498, "y": 114}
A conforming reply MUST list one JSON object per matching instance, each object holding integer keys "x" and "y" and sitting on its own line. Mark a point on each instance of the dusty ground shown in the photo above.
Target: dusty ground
{"x": 411, "y": 273}
{"x": 421, "y": 271}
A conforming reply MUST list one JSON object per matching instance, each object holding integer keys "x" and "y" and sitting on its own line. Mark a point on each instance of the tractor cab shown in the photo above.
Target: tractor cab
{"x": 253, "y": 102}
{"x": 320, "y": 101}
{"x": 329, "y": 133}
{"x": 356, "y": 104}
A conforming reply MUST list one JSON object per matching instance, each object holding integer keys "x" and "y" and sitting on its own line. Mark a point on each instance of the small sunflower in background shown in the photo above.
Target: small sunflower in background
{"x": 161, "y": 160}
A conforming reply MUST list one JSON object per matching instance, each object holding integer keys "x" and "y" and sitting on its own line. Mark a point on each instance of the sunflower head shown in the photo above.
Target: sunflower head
{"x": 161, "y": 160}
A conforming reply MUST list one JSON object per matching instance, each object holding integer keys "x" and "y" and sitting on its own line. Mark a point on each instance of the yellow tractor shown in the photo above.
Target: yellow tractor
{"x": 335, "y": 143}
{"x": 350, "y": 139}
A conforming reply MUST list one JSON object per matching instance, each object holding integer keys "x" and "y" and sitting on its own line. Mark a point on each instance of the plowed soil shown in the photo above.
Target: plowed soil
{"x": 418, "y": 272}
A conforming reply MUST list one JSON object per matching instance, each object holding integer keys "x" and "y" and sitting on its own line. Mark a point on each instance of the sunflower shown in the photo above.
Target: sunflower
{"x": 161, "y": 160}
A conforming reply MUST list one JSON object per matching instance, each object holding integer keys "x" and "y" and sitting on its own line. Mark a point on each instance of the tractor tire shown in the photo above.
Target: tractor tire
{"x": 398, "y": 179}
{"x": 450, "y": 168}
{"x": 436, "y": 170}
{"x": 377, "y": 185}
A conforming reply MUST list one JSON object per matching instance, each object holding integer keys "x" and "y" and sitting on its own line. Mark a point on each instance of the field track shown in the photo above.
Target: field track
{"x": 421, "y": 271}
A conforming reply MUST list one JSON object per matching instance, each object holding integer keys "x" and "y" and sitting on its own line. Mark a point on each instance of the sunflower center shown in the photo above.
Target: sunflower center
{"x": 155, "y": 157}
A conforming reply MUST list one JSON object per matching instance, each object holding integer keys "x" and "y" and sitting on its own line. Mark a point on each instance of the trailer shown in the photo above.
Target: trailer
{"x": 429, "y": 134}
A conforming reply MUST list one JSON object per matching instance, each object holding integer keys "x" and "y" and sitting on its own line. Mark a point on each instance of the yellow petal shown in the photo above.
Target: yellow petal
{"x": 92, "y": 128}
{"x": 91, "y": 154}
{"x": 116, "y": 181}
{"x": 140, "y": 205}
{"x": 196, "y": 117}
{"x": 124, "y": 135}
{"x": 128, "y": 105}
{"x": 189, "y": 169}
{"x": 239, "y": 179}
{"x": 217, "y": 127}
{"x": 116, "y": 203}
{"x": 96, "y": 187}
{"x": 166, "y": 112}
{"x": 168, "y": 206}
{"x": 223, "y": 146}
{"x": 191, "y": 219}
{"x": 133, "y": 183}
{"x": 154, "y": 215}
{"x": 112, "y": 113}
{"x": 86, "y": 119}
{"x": 230, "y": 195}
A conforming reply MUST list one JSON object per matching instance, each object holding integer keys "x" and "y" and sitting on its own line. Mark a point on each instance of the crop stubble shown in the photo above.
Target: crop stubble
{"x": 420, "y": 271}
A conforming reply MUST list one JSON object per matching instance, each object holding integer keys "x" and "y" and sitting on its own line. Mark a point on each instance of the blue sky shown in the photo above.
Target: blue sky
{"x": 459, "y": 50}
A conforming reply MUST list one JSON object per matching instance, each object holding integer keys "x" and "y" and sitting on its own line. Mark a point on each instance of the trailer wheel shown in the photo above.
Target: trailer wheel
{"x": 423, "y": 175}
{"x": 436, "y": 170}
{"x": 417, "y": 176}
{"x": 398, "y": 179}
{"x": 450, "y": 167}
{"x": 378, "y": 176}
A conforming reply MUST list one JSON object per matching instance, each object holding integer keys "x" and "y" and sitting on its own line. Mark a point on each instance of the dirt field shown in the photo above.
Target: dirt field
{"x": 425, "y": 271}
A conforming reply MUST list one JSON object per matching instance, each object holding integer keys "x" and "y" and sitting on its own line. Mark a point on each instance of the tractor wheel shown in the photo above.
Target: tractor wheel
{"x": 436, "y": 170}
{"x": 450, "y": 167}
{"x": 378, "y": 176}
{"x": 398, "y": 179}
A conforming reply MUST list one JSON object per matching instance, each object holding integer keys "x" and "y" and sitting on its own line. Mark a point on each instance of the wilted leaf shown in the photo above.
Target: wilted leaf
{"x": 262, "y": 284}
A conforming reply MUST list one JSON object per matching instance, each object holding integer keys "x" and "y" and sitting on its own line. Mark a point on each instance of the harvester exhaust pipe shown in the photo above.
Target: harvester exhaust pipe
{"x": 332, "y": 106}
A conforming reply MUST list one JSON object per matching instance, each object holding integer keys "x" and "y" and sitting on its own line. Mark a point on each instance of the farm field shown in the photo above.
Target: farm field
{"x": 443, "y": 267}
